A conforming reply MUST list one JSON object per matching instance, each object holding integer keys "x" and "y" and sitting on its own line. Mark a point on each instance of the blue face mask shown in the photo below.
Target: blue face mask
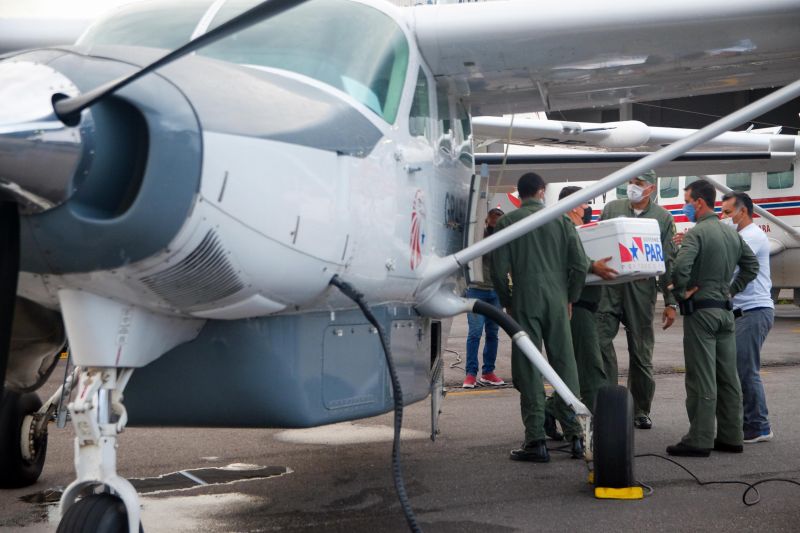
{"x": 688, "y": 210}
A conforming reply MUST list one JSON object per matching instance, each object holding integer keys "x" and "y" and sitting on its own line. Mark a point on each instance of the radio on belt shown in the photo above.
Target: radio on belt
{"x": 634, "y": 245}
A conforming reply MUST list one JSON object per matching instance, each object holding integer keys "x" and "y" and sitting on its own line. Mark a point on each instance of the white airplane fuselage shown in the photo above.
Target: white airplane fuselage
{"x": 273, "y": 220}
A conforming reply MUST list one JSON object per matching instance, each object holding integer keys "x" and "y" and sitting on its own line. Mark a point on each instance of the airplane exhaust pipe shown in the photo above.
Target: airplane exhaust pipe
{"x": 41, "y": 160}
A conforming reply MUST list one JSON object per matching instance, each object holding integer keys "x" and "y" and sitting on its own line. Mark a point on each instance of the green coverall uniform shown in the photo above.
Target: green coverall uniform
{"x": 708, "y": 255}
{"x": 633, "y": 304}
{"x": 548, "y": 269}
{"x": 585, "y": 340}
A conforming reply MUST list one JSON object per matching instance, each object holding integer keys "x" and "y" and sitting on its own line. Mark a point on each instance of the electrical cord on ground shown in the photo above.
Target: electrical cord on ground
{"x": 750, "y": 486}
{"x": 399, "y": 485}
{"x": 648, "y": 489}
{"x": 458, "y": 358}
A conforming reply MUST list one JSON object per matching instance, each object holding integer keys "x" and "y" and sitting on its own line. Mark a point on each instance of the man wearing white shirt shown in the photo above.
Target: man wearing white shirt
{"x": 755, "y": 314}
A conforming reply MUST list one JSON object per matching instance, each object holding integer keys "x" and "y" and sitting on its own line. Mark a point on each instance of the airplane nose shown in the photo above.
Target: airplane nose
{"x": 41, "y": 159}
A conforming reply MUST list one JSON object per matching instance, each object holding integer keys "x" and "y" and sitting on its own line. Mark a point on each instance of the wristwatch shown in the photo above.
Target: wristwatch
{"x": 674, "y": 306}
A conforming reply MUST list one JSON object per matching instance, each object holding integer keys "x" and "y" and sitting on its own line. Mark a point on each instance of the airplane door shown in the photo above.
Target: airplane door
{"x": 478, "y": 210}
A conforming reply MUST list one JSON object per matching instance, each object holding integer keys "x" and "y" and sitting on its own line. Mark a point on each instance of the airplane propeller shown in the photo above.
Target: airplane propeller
{"x": 44, "y": 191}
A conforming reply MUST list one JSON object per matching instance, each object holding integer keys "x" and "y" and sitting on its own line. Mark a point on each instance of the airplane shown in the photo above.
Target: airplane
{"x": 231, "y": 208}
{"x": 761, "y": 162}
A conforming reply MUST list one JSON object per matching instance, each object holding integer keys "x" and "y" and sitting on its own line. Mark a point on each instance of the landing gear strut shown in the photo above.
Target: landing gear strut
{"x": 107, "y": 501}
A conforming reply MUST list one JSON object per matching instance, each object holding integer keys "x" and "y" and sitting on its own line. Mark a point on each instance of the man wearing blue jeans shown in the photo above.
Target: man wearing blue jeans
{"x": 484, "y": 291}
{"x": 754, "y": 313}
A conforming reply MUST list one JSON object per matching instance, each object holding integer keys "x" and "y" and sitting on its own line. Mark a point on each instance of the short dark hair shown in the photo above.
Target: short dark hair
{"x": 529, "y": 184}
{"x": 741, "y": 199}
{"x": 702, "y": 189}
{"x": 566, "y": 191}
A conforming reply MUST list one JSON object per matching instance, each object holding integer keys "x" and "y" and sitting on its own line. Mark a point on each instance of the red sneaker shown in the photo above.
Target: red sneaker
{"x": 469, "y": 382}
{"x": 491, "y": 379}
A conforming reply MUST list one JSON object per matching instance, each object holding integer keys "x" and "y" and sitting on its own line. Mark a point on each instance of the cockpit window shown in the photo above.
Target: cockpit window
{"x": 164, "y": 24}
{"x": 350, "y": 46}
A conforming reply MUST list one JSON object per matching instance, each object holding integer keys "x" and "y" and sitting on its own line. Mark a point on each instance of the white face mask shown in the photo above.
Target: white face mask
{"x": 635, "y": 193}
{"x": 728, "y": 222}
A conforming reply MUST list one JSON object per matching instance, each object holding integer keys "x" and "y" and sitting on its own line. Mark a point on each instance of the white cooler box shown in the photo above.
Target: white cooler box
{"x": 634, "y": 245}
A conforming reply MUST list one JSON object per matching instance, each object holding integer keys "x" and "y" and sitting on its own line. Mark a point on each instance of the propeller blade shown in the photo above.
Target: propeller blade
{"x": 68, "y": 109}
{"x": 9, "y": 272}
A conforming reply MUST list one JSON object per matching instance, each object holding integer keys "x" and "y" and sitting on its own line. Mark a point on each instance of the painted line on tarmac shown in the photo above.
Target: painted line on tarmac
{"x": 458, "y": 391}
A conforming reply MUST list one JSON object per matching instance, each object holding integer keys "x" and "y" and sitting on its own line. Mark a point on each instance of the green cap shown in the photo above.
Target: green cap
{"x": 649, "y": 176}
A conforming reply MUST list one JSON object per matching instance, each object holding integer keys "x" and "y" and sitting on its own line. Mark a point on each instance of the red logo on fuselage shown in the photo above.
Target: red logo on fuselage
{"x": 417, "y": 239}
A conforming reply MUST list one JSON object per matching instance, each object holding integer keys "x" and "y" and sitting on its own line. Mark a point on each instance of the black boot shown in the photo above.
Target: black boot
{"x": 720, "y": 446}
{"x": 535, "y": 452}
{"x": 684, "y": 450}
{"x": 576, "y": 449}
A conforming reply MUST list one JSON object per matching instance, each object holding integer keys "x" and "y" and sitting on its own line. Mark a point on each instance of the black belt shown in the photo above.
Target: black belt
{"x": 737, "y": 313}
{"x": 713, "y": 304}
{"x": 589, "y": 306}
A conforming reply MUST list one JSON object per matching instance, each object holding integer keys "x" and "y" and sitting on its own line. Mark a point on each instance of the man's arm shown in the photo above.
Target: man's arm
{"x": 500, "y": 268}
{"x": 748, "y": 268}
{"x": 669, "y": 249}
{"x": 682, "y": 266}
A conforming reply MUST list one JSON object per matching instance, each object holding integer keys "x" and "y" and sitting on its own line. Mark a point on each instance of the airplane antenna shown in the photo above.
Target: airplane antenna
{"x": 69, "y": 109}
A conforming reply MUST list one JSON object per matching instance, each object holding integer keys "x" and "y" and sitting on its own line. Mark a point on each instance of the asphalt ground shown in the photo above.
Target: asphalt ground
{"x": 338, "y": 478}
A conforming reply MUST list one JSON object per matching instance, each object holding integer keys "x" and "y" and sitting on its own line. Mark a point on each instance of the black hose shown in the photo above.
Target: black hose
{"x": 9, "y": 273}
{"x": 397, "y": 472}
{"x": 503, "y": 320}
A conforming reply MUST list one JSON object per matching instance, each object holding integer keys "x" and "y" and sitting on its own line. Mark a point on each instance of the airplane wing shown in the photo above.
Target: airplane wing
{"x": 584, "y": 165}
{"x": 627, "y": 134}
{"x": 516, "y": 55}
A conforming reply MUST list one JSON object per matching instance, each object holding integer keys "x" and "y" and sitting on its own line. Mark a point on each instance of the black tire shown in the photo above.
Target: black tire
{"x": 613, "y": 438}
{"x": 96, "y": 513}
{"x": 16, "y": 471}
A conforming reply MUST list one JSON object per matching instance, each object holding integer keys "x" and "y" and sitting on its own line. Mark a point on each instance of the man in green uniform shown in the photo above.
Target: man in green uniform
{"x": 591, "y": 371}
{"x": 701, "y": 278}
{"x": 633, "y": 303}
{"x": 583, "y": 324}
{"x": 548, "y": 268}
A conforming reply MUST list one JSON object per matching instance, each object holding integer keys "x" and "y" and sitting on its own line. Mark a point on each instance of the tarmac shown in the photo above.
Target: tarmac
{"x": 338, "y": 478}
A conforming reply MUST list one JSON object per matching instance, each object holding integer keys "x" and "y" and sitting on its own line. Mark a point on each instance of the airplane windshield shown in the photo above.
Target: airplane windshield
{"x": 350, "y": 46}
{"x": 164, "y": 24}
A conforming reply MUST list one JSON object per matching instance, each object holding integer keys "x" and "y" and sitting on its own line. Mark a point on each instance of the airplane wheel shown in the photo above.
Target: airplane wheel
{"x": 16, "y": 470}
{"x": 98, "y": 513}
{"x": 613, "y": 438}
